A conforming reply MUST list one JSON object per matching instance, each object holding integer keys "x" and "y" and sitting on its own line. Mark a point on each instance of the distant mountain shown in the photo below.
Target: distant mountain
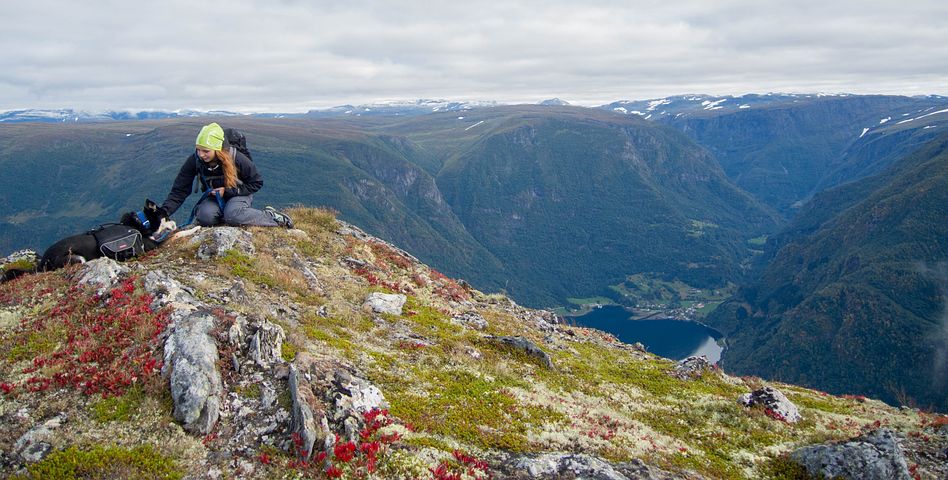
{"x": 854, "y": 299}
{"x": 80, "y": 116}
{"x": 394, "y": 108}
{"x": 784, "y": 148}
{"x": 554, "y": 102}
{"x": 547, "y": 202}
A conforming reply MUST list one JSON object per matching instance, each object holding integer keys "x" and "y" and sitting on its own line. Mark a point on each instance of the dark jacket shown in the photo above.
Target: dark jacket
{"x": 248, "y": 180}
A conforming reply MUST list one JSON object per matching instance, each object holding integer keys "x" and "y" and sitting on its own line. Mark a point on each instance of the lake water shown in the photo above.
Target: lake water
{"x": 675, "y": 339}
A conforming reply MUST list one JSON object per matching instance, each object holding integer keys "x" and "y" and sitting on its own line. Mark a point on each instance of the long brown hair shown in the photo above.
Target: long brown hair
{"x": 230, "y": 169}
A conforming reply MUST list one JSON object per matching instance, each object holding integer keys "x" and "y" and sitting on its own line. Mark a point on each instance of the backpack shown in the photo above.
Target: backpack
{"x": 118, "y": 242}
{"x": 237, "y": 143}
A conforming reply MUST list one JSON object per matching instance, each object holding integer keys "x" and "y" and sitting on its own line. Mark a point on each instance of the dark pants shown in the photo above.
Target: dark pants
{"x": 237, "y": 212}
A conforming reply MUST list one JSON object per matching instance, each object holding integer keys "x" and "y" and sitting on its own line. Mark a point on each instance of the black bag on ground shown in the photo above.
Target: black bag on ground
{"x": 119, "y": 242}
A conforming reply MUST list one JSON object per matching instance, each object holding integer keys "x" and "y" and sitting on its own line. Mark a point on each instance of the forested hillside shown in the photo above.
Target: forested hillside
{"x": 854, "y": 298}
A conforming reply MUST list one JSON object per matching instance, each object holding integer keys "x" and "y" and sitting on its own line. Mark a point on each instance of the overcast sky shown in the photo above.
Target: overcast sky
{"x": 290, "y": 56}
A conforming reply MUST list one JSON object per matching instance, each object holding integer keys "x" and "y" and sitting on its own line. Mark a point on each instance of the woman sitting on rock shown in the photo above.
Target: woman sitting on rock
{"x": 229, "y": 180}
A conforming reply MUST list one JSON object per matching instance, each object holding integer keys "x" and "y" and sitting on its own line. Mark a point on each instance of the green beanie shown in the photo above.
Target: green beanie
{"x": 211, "y": 137}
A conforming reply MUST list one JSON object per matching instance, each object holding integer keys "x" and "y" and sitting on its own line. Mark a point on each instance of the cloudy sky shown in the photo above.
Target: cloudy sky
{"x": 289, "y": 56}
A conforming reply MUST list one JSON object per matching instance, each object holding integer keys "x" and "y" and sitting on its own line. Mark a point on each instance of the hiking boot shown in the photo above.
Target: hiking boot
{"x": 280, "y": 218}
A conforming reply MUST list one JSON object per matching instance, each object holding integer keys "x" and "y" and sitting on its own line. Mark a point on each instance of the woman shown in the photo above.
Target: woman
{"x": 229, "y": 179}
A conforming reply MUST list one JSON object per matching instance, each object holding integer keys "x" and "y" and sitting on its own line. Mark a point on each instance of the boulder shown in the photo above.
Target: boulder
{"x": 35, "y": 445}
{"x": 692, "y": 367}
{"x": 874, "y": 456}
{"x": 311, "y": 279}
{"x": 215, "y": 242}
{"x": 168, "y": 291}
{"x": 774, "y": 401}
{"x": 25, "y": 255}
{"x": 528, "y": 347}
{"x": 191, "y": 365}
{"x": 266, "y": 344}
{"x": 306, "y": 421}
{"x": 390, "y": 303}
{"x": 470, "y": 319}
{"x": 570, "y": 465}
{"x": 352, "y": 397}
{"x": 102, "y": 273}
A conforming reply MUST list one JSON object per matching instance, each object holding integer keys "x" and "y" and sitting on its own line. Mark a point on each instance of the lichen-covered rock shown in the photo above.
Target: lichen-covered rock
{"x": 215, "y": 242}
{"x": 102, "y": 273}
{"x": 692, "y": 367}
{"x": 352, "y": 397}
{"x": 168, "y": 291}
{"x": 308, "y": 423}
{"x": 25, "y": 255}
{"x": 35, "y": 444}
{"x": 191, "y": 364}
{"x": 471, "y": 319}
{"x": 774, "y": 401}
{"x": 266, "y": 344}
{"x": 528, "y": 347}
{"x": 311, "y": 279}
{"x": 553, "y": 465}
{"x": 390, "y": 303}
{"x": 875, "y": 456}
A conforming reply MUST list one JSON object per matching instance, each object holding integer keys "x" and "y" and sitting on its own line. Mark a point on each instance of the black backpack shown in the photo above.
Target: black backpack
{"x": 118, "y": 242}
{"x": 236, "y": 141}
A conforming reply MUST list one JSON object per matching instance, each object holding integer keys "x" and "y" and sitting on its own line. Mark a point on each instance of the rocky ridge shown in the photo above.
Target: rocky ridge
{"x": 325, "y": 352}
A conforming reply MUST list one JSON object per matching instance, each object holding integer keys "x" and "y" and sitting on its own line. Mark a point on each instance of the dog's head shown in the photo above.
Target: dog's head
{"x": 151, "y": 220}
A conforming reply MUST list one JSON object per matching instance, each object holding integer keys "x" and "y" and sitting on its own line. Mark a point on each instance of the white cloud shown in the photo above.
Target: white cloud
{"x": 295, "y": 55}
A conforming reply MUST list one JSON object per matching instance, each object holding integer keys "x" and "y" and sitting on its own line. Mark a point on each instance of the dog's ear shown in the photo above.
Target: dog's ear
{"x": 150, "y": 205}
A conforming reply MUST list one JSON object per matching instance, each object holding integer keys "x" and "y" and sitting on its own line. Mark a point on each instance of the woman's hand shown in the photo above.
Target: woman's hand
{"x": 219, "y": 192}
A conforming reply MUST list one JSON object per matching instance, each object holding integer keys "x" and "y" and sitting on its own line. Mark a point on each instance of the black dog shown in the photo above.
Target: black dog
{"x": 118, "y": 241}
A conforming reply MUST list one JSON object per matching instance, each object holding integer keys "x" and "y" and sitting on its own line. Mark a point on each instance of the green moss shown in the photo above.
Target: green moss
{"x": 249, "y": 391}
{"x": 429, "y": 442}
{"x": 594, "y": 365}
{"x": 825, "y": 404}
{"x": 38, "y": 342}
{"x": 783, "y": 468}
{"x": 288, "y": 351}
{"x": 472, "y": 409}
{"x": 23, "y": 264}
{"x": 244, "y": 266}
{"x": 119, "y": 409}
{"x": 105, "y": 462}
{"x": 285, "y": 399}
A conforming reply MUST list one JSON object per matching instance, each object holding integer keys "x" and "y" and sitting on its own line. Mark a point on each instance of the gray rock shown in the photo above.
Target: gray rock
{"x": 191, "y": 363}
{"x": 310, "y": 426}
{"x": 266, "y": 345}
{"x": 390, "y": 303}
{"x": 21, "y": 255}
{"x": 530, "y": 348}
{"x": 471, "y": 319}
{"x": 34, "y": 445}
{"x": 355, "y": 396}
{"x": 775, "y": 401}
{"x": 692, "y": 367}
{"x": 268, "y": 396}
{"x": 553, "y": 465}
{"x": 102, "y": 273}
{"x": 168, "y": 291}
{"x": 238, "y": 293}
{"x": 215, "y": 242}
{"x": 875, "y": 456}
{"x": 311, "y": 279}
